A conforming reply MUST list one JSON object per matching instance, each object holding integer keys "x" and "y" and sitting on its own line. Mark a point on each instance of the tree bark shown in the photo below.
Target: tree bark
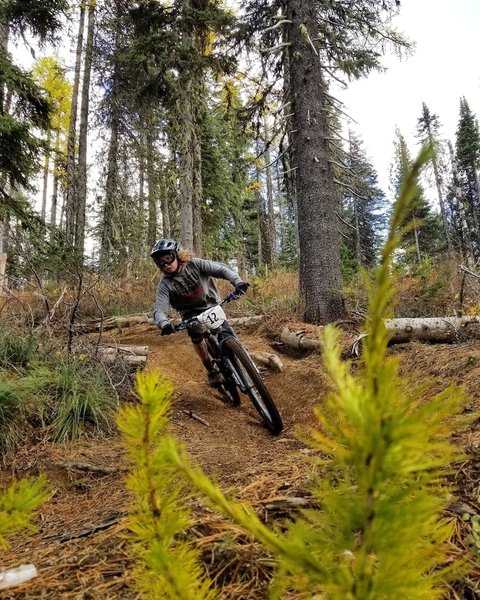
{"x": 317, "y": 197}
{"x": 68, "y": 216}
{"x": 151, "y": 191}
{"x": 81, "y": 202}
{"x": 46, "y": 169}
{"x": 54, "y": 202}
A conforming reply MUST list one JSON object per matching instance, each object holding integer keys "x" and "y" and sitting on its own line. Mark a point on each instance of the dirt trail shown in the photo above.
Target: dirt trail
{"x": 235, "y": 449}
{"x": 235, "y": 445}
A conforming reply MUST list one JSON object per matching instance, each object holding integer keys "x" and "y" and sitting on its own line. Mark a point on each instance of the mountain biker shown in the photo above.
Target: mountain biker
{"x": 188, "y": 286}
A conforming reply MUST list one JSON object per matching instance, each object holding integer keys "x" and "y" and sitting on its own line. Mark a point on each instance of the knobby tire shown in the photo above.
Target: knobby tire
{"x": 258, "y": 391}
{"x": 228, "y": 389}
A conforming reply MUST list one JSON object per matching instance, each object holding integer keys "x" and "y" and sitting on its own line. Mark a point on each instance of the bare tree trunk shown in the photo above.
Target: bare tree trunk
{"x": 186, "y": 162}
{"x": 317, "y": 196}
{"x": 54, "y": 204}
{"x": 358, "y": 242}
{"x": 68, "y": 210}
{"x": 441, "y": 201}
{"x": 197, "y": 183}
{"x": 110, "y": 208}
{"x": 46, "y": 170}
{"x": 415, "y": 236}
{"x": 4, "y": 35}
{"x": 152, "y": 191}
{"x": 270, "y": 221}
{"x": 83, "y": 134}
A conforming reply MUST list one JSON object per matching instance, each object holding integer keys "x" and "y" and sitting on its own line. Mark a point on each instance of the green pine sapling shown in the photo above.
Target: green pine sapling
{"x": 18, "y": 503}
{"x": 167, "y": 564}
{"x": 379, "y": 531}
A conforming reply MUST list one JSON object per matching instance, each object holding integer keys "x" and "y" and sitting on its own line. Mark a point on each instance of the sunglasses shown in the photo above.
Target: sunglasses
{"x": 165, "y": 260}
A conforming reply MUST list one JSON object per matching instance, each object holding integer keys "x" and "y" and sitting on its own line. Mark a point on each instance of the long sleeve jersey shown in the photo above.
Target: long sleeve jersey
{"x": 192, "y": 287}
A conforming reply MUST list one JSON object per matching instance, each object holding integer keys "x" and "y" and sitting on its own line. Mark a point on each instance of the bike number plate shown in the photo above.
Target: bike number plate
{"x": 213, "y": 318}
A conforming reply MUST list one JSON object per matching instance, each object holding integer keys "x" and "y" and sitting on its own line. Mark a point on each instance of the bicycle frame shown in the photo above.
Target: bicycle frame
{"x": 217, "y": 338}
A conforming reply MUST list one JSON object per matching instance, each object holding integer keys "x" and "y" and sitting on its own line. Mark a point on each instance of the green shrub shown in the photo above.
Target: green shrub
{"x": 71, "y": 396}
{"x": 11, "y": 410}
{"x": 17, "y": 349}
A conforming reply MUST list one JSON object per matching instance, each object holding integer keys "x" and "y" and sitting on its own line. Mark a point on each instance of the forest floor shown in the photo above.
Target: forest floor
{"x": 79, "y": 547}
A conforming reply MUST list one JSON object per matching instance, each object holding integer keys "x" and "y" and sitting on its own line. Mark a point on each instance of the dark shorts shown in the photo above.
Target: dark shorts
{"x": 196, "y": 330}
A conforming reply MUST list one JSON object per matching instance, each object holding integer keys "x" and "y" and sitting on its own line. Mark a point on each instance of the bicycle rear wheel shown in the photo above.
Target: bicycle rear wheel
{"x": 255, "y": 386}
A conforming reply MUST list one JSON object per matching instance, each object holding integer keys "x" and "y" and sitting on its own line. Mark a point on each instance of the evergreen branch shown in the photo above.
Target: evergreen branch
{"x": 275, "y": 49}
{"x": 276, "y": 26}
{"x": 345, "y": 222}
{"x": 18, "y": 504}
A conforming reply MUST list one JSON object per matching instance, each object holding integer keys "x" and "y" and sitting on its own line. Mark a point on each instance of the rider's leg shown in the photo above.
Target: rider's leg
{"x": 202, "y": 352}
{"x": 201, "y": 349}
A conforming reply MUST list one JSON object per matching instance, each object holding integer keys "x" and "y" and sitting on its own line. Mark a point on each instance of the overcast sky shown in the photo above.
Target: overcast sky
{"x": 445, "y": 66}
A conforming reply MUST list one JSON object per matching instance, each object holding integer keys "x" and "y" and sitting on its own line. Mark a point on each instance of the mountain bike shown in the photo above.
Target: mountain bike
{"x": 234, "y": 362}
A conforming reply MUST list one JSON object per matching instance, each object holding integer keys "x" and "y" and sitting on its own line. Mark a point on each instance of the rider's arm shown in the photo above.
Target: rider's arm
{"x": 162, "y": 304}
{"x": 216, "y": 269}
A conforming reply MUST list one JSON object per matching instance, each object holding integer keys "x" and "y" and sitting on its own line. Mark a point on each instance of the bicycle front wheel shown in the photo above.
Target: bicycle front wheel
{"x": 254, "y": 385}
{"x": 228, "y": 389}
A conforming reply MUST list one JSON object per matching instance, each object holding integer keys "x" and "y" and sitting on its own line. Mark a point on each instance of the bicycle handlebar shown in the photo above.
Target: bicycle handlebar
{"x": 231, "y": 297}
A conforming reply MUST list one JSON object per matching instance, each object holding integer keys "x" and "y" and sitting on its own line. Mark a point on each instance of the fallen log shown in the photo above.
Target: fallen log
{"x": 121, "y": 349}
{"x": 134, "y": 356}
{"x": 401, "y": 330}
{"x": 433, "y": 329}
{"x": 298, "y": 340}
{"x": 138, "y": 319}
{"x": 267, "y": 360}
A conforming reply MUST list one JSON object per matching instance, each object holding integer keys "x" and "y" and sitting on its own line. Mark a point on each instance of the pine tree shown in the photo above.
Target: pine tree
{"x": 428, "y": 132}
{"x": 424, "y": 238}
{"x": 319, "y": 40}
{"x": 363, "y": 206}
{"x": 467, "y": 155}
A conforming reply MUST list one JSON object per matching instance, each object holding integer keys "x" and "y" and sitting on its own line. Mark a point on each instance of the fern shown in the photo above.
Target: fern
{"x": 168, "y": 565}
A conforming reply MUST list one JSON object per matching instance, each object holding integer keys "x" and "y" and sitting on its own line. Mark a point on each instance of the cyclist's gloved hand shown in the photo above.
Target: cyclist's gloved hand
{"x": 242, "y": 287}
{"x": 167, "y": 329}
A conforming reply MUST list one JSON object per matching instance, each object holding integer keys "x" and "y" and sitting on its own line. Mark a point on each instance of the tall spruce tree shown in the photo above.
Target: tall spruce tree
{"x": 428, "y": 132}
{"x": 424, "y": 237}
{"x": 467, "y": 155}
{"x": 320, "y": 40}
{"x": 364, "y": 206}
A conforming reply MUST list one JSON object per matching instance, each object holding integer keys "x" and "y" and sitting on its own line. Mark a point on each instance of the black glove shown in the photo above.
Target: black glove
{"x": 242, "y": 287}
{"x": 168, "y": 329}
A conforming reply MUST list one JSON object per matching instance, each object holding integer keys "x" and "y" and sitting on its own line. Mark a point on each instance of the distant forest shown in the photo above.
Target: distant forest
{"x": 216, "y": 126}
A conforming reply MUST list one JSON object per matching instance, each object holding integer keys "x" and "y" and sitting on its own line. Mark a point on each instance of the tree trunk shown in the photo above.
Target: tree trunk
{"x": 4, "y": 34}
{"x": 110, "y": 210}
{"x": 185, "y": 129}
{"x": 46, "y": 169}
{"x": 68, "y": 211}
{"x": 3, "y": 257}
{"x": 152, "y": 191}
{"x": 415, "y": 237}
{"x": 81, "y": 202}
{"x": 54, "y": 202}
{"x": 270, "y": 210}
{"x": 197, "y": 176}
{"x": 317, "y": 196}
{"x": 441, "y": 200}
